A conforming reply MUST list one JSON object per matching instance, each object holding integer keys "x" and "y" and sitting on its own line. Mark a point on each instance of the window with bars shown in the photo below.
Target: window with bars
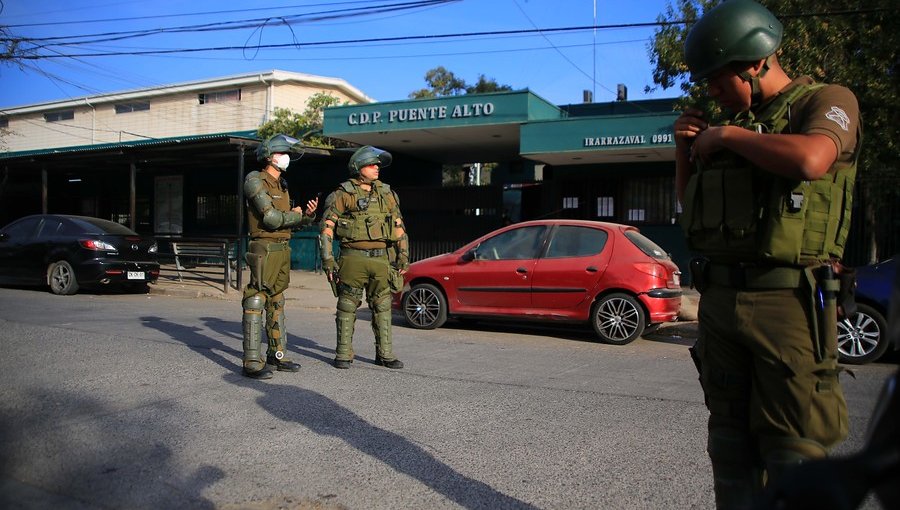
{"x": 60, "y": 115}
{"x": 132, "y": 107}
{"x": 222, "y": 96}
{"x": 649, "y": 200}
{"x": 216, "y": 210}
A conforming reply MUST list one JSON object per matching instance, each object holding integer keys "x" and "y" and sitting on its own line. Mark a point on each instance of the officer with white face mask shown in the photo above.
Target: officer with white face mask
{"x": 270, "y": 220}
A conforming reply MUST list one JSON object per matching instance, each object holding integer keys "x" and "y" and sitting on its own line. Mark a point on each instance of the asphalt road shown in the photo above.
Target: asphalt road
{"x": 136, "y": 401}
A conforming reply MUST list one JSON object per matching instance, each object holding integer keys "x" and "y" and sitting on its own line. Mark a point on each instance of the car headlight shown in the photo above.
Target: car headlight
{"x": 153, "y": 248}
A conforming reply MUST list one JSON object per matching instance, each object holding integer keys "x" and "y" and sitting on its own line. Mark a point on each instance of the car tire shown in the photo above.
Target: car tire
{"x": 424, "y": 307}
{"x": 862, "y": 336}
{"x": 618, "y": 319}
{"x": 62, "y": 279}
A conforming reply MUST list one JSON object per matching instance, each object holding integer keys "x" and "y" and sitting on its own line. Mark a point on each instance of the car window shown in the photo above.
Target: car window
{"x": 645, "y": 245}
{"x": 516, "y": 244}
{"x": 50, "y": 227}
{"x": 572, "y": 241}
{"x": 21, "y": 230}
{"x": 98, "y": 226}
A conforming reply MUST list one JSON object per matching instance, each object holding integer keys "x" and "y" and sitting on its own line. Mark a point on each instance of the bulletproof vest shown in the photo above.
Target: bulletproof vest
{"x": 737, "y": 212}
{"x": 368, "y": 217}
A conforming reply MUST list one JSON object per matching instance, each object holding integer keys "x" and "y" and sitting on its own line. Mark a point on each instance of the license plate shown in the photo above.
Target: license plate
{"x": 135, "y": 275}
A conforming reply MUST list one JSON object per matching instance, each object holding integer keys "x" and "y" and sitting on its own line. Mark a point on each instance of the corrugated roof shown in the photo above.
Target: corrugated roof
{"x": 172, "y": 140}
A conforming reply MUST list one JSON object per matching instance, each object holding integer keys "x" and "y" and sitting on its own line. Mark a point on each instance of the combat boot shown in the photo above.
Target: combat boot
{"x": 342, "y": 363}
{"x": 282, "y": 365}
{"x": 390, "y": 363}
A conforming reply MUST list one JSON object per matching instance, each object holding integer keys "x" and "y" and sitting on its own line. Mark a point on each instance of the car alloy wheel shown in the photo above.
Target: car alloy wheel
{"x": 62, "y": 279}
{"x": 860, "y": 337}
{"x": 618, "y": 319}
{"x": 424, "y": 307}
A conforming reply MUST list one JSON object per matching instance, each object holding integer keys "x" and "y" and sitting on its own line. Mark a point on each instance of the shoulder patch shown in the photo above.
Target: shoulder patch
{"x": 839, "y": 117}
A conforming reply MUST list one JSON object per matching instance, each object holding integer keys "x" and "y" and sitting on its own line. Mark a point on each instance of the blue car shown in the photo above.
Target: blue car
{"x": 862, "y": 337}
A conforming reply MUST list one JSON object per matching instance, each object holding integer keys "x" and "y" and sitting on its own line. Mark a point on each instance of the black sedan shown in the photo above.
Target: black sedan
{"x": 68, "y": 252}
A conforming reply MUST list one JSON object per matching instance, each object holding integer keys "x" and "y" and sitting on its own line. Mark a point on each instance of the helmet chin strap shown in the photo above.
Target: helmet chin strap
{"x": 755, "y": 89}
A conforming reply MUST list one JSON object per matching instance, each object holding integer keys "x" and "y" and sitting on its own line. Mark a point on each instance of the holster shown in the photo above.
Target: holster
{"x": 699, "y": 275}
{"x": 824, "y": 286}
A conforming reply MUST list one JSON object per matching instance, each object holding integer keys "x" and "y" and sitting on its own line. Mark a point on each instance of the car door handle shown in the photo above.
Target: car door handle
{"x": 521, "y": 270}
{"x": 591, "y": 269}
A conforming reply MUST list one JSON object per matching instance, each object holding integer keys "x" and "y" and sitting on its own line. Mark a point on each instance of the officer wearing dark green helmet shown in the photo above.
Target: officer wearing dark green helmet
{"x": 363, "y": 213}
{"x": 766, "y": 198}
{"x": 270, "y": 219}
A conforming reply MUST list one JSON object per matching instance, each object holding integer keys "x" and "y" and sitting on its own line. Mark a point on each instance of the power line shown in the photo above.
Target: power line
{"x": 184, "y": 15}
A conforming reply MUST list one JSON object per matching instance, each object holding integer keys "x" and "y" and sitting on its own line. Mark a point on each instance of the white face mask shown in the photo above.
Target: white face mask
{"x": 281, "y": 161}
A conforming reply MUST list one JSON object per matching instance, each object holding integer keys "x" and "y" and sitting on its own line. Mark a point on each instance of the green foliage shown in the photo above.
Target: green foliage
{"x": 306, "y": 126}
{"x": 442, "y": 82}
{"x": 856, "y": 46}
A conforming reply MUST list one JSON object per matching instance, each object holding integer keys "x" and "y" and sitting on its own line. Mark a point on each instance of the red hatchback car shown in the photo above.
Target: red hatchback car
{"x": 605, "y": 274}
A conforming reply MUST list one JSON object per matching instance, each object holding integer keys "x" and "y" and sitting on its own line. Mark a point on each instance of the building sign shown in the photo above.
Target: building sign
{"x": 603, "y": 141}
{"x": 399, "y": 115}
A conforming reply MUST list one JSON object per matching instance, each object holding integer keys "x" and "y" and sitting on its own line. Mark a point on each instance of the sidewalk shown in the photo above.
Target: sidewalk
{"x": 308, "y": 289}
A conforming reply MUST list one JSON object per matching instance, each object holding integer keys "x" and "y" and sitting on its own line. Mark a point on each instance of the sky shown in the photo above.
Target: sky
{"x": 336, "y": 38}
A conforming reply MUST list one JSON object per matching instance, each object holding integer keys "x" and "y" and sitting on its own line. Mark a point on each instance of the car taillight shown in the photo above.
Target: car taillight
{"x": 95, "y": 245}
{"x": 675, "y": 280}
{"x": 655, "y": 270}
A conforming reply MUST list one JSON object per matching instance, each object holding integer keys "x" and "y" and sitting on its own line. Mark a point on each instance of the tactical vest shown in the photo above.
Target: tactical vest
{"x": 370, "y": 215}
{"x": 736, "y": 212}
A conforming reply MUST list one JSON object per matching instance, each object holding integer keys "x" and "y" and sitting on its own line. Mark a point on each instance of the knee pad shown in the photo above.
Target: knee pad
{"x": 349, "y": 299}
{"x": 254, "y": 303}
{"x": 381, "y": 304}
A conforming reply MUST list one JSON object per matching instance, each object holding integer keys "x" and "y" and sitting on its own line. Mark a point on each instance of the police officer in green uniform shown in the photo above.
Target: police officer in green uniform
{"x": 270, "y": 220}
{"x": 766, "y": 198}
{"x": 364, "y": 215}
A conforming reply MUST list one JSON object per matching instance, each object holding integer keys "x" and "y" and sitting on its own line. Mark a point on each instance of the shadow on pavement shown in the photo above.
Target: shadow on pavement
{"x": 325, "y": 417}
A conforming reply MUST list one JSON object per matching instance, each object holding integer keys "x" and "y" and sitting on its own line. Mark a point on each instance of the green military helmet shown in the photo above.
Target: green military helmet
{"x": 279, "y": 143}
{"x": 368, "y": 155}
{"x": 733, "y": 31}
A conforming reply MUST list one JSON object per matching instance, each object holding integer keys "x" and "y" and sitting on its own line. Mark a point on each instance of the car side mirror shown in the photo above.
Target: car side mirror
{"x": 468, "y": 256}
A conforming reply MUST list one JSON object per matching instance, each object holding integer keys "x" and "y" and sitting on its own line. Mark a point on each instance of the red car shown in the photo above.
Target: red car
{"x": 605, "y": 274}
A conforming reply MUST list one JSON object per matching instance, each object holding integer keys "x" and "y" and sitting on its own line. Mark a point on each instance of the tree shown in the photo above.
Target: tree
{"x": 849, "y": 42}
{"x": 486, "y": 85}
{"x": 442, "y": 82}
{"x": 306, "y": 126}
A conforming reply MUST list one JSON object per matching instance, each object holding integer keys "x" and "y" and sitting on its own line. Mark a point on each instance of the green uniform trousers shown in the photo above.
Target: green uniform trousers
{"x": 360, "y": 272}
{"x": 757, "y": 357}
{"x": 270, "y": 273}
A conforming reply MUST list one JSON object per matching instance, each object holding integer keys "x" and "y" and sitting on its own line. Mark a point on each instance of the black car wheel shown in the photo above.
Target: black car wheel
{"x": 618, "y": 319}
{"x": 62, "y": 279}
{"x": 424, "y": 307}
{"x": 861, "y": 337}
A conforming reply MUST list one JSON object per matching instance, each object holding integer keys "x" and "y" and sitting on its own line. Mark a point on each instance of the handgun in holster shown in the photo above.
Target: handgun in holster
{"x": 333, "y": 281}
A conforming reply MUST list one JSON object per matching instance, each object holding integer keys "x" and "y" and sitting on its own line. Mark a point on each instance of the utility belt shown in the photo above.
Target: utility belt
{"x": 829, "y": 289}
{"x": 751, "y": 277}
{"x": 356, "y": 252}
{"x": 268, "y": 245}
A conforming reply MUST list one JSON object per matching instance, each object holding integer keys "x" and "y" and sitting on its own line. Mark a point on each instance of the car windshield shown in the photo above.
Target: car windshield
{"x": 645, "y": 245}
{"x": 98, "y": 226}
